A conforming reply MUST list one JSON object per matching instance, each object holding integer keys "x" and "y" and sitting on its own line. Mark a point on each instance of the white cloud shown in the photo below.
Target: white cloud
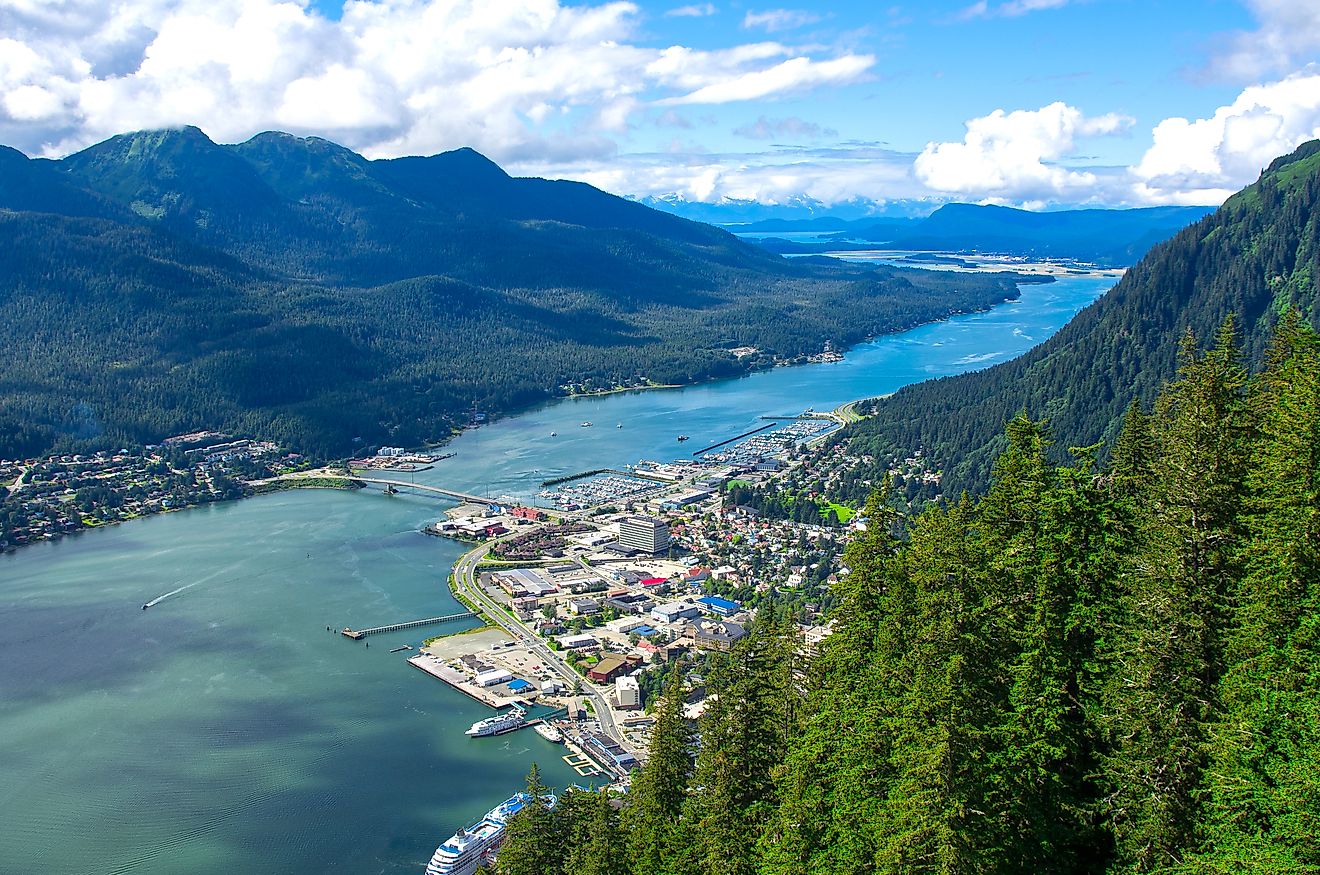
{"x": 696, "y": 10}
{"x": 775, "y": 20}
{"x": 390, "y": 77}
{"x": 1206, "y": 160}
{"x": 792, "y": 75}
{"x": 1015, "y": 155}
{"x": 1011, "y": 9}
{"x": 1288, "y": 35}
{"x": 780, "y": 176}
{"x": 768, "y": 129}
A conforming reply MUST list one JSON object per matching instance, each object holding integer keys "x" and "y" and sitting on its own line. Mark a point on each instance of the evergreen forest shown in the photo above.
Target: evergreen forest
{"x": 290, "y": 289}
{"x": 1108, "y": 664}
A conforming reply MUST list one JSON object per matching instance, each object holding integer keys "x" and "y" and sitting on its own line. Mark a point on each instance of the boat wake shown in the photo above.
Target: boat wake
{"x": 160, "y": 598}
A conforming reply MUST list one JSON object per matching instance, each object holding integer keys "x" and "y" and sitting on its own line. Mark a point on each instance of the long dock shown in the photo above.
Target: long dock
{"x": 581, "y": 475}
{"x": 736, "y": 437}
{"x": 359, "y": 634}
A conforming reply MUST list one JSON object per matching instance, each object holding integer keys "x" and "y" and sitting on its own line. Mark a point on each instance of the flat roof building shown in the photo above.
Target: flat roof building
{"x": 607, "y": 669}
{"x": 644, "y": 534}
{"x": 675, "y": 611}
{"x": 721, "y": 606}
{"x": 628, "y": 693}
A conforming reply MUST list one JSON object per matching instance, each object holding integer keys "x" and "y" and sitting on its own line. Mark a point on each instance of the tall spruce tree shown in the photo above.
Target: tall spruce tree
{"x": 533, "y": 841}
{"x": 595, "y": 845}
{"x": 1162, "y": 696}
{"x": 743, "y": 739}
{"x": 836, "y": 776}
{"x": 1262, "y": 800}
{"x": 950, "y": 688}
{"x": 655, "y": 802}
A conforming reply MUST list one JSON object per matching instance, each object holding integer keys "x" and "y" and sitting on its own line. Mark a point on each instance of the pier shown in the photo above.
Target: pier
{"x": 737, "y": 437}
{"x": 359, "y": 634}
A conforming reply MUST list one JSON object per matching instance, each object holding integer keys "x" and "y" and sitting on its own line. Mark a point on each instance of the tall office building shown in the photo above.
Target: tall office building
{"x": 645, "y": 534}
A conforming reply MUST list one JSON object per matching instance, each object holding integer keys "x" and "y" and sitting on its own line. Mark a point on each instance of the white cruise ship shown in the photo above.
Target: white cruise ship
{"x": 469, "y": 849}
{"x": 506, "y": 722}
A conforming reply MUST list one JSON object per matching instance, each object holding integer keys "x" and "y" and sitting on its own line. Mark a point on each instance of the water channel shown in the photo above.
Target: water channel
{"x": 225, "y": 730}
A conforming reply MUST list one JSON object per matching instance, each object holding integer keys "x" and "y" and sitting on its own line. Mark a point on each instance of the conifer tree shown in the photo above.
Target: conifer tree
{"x": 835, "y": 775}
{"x": 655, "y": 801}
{"x": 1162, "y": 697}
{"x": 1261, "y": 801}
{"x": 596, "y": 845}
{"x": 936, "y": 816}
{"x": 533, "y": 843}
{"x": 743, "y": 739}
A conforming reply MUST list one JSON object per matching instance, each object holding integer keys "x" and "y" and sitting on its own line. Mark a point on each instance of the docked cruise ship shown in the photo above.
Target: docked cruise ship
{"x": 506, "y": 722}
{"x": 469, "y": 849}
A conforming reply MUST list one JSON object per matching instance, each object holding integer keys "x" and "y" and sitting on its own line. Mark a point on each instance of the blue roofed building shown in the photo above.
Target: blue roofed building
{"x": 719, "y": 606}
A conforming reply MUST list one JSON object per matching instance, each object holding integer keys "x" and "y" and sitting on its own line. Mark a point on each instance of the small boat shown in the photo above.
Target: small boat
{"x": 587, "y": 424}
{"x": 620, "y": 425}
{"x": 553, "y": 433}
{"x": 682, "y": 438}
{"x": 402, "y": 647}
{"x": 144, "y": 607}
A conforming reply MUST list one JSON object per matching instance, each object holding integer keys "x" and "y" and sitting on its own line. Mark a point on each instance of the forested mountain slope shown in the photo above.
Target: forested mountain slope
{"x": 1091, "y": 670}
{"x": 159, "y": 282}
{"x": 1254, "y": 257}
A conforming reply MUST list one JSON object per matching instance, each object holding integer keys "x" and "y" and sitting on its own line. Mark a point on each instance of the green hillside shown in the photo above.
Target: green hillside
{"x": 1254, "y": 257}
{"x": 159, "y": 282}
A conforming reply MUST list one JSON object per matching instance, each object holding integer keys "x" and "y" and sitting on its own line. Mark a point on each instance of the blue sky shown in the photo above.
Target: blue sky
{"x": 1031, "y": 102}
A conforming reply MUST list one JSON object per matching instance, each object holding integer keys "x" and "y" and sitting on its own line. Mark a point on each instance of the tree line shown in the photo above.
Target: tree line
{"x": 1095, "y": 667}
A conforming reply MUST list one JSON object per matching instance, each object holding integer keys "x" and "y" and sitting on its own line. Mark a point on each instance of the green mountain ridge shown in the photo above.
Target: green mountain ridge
{"x": 286, "y": 287}
{"x": 1256, "y": 256}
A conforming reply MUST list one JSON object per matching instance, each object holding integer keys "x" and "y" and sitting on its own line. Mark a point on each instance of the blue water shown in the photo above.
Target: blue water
{"x": 225, "y": 730}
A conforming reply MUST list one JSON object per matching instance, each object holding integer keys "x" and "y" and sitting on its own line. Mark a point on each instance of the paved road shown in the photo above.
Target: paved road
{"x": 466, "y": 580}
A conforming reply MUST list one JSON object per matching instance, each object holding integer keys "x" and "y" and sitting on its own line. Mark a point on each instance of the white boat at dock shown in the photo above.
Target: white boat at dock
{"x": 510, "y": 720}
{"x": 549, "y": 733}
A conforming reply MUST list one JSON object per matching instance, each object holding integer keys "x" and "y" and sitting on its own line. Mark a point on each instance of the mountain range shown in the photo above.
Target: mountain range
{"x": 1112, "y": 238}
{"x": 288, "y": 287}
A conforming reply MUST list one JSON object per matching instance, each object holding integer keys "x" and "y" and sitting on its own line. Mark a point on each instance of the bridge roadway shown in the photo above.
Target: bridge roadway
{"x": 447, "y": 493}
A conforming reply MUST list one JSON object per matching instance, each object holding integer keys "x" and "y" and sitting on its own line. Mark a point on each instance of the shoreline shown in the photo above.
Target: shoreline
{"x": 345, "y": 483}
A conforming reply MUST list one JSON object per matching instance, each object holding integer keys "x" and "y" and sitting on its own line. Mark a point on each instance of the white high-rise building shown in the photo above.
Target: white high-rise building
{"x": 628, "y": 692}
{"x": 644, "y": 533}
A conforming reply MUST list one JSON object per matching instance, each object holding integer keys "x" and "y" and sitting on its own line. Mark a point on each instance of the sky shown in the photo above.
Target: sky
{"x": 1035, "y": 103}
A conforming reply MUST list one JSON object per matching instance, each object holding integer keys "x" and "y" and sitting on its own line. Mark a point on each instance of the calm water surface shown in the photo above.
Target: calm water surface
{"x": 225, "y": 730}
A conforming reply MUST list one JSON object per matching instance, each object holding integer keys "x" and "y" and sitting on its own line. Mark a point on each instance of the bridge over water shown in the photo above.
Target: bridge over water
{"x": 435, "y": 490}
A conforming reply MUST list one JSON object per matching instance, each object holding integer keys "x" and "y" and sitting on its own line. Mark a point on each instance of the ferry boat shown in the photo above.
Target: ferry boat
{"x": 473, "y": 847}
{"x": 500, "y": 723}
{"x": 549, "y": 733}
